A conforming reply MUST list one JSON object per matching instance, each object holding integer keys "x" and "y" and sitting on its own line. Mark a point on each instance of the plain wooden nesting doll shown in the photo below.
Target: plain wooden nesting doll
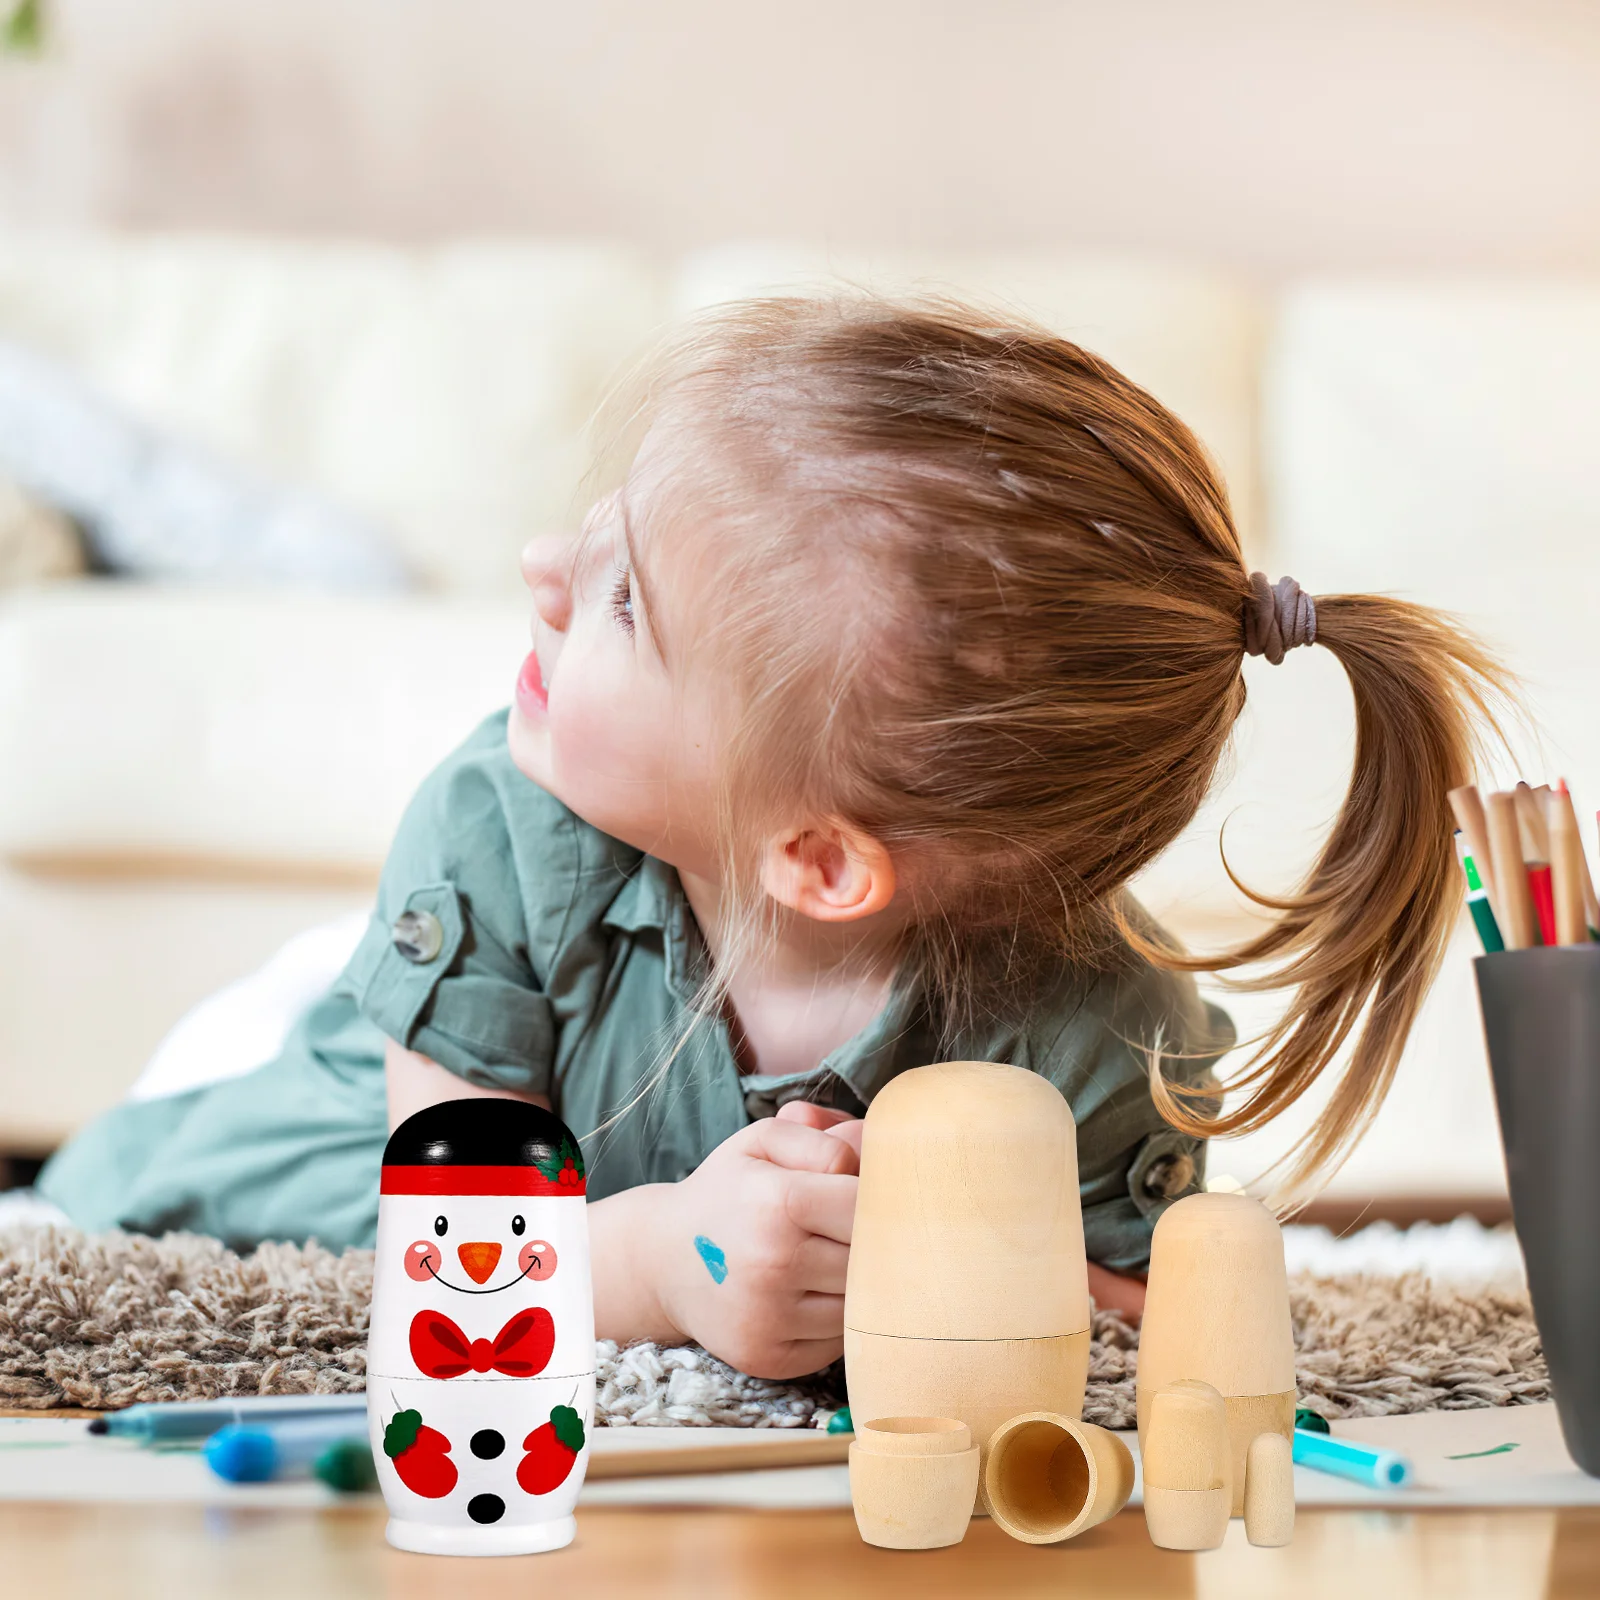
{"x": 1217, "y": 1311}
{"x": 967, "y": 1294}
{"x": 480, "y": 1365}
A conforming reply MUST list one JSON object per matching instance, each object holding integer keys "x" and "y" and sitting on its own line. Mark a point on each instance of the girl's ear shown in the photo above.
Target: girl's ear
{"x": 830, "y": 872}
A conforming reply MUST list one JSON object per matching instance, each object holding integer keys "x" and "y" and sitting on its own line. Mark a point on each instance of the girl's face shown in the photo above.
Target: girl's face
{"x": 598, "y": 719}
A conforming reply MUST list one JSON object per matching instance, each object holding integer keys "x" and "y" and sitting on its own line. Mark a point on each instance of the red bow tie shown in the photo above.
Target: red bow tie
{"x": 520, "y": 1349}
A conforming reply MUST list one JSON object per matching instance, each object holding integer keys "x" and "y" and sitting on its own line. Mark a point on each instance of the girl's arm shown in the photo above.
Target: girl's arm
{"x": 414, "y": 1083}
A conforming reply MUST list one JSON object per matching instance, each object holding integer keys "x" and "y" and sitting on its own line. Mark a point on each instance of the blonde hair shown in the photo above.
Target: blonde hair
{"x": 1018, "y": 664}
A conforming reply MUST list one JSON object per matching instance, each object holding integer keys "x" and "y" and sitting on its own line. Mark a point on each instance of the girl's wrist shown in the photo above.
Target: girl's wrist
{"x": 629, "y": 1303}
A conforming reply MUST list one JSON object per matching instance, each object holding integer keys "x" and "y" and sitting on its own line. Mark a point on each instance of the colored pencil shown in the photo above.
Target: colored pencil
{"x": 1530, "y": 819}
{"x": 1534, "y": 834}
{"x": 1478, "y": 901}
{"x": 1569, "y": 871}
{"x": 1467, "y": 805}
{"x": 1518, "y": 923}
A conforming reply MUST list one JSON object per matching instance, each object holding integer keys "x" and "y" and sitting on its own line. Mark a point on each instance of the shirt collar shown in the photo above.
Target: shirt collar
{"x": 900, "y": 1036}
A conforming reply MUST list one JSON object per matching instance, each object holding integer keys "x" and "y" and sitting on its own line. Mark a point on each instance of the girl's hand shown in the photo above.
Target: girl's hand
{"x": 748, "y": 1253}
{"x": 839, "y": 1123}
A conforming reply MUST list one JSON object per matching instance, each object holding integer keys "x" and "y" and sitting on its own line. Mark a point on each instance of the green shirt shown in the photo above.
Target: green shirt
{"x": 555, "y": 960}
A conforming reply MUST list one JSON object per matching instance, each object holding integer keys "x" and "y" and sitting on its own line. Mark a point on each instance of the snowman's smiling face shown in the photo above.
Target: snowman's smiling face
{"x": 439, "y": 1259}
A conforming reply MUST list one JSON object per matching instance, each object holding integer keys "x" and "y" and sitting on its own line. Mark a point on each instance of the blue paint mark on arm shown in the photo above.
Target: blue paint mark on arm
{"x": 716, "y": 1262}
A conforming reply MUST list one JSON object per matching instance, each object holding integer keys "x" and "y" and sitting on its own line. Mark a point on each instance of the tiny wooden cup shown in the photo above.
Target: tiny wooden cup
{"x": 913, "y": 1481}
{"x": 1051, "y": 1477}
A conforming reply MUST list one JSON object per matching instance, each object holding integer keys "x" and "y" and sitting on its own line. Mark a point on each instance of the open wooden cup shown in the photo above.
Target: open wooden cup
{"x": 913, "y": 1481}
{"x": 1050, "y": 1477}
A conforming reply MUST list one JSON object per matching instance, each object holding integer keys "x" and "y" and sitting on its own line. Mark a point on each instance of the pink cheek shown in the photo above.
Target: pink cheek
{"x": 538, "y": 1260}
{"x": 422, "y": 1260}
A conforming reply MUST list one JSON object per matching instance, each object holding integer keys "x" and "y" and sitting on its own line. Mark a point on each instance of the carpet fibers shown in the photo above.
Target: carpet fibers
{"x": 106, "y": 1320}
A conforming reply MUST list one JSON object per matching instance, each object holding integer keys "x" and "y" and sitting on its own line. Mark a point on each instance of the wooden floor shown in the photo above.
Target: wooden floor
{"x": 177, "y": 1552}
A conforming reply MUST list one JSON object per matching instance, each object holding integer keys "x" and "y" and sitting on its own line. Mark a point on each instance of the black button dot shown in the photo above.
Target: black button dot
{"x": 486, "y": 1508}
{"x": 487, "y": 1444}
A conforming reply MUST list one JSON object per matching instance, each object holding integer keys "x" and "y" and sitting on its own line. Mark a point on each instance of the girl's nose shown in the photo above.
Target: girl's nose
{"x": 546, "y": 569}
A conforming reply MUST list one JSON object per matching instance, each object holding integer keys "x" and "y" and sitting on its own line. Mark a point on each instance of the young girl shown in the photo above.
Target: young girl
{"x": 906, "y": 641}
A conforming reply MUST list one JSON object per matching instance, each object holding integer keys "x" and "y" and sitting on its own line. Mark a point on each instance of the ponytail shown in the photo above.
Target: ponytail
{"x": 1363, "y": 939}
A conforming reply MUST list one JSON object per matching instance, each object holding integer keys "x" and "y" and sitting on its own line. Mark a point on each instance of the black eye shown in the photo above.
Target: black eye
{"x": 440, "y": 1226}
{"x": 517, "y": 1225}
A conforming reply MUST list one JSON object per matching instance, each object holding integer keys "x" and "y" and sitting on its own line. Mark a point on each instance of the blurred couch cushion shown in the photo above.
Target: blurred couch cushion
{"x": 140, "y": 723}
{"x": 442, "y": 392}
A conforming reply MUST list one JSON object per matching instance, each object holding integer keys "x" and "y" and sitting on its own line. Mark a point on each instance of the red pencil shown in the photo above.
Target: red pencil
{"x": 1535, "y": 836}
{"x": 1544, "y": 899}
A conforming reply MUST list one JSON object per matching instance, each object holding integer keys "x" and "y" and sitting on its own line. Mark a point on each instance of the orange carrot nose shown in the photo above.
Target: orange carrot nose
{"x": 479, "y": 1259}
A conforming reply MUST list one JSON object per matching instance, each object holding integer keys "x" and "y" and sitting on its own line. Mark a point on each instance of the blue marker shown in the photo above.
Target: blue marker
{"x": 261, "y": 1451}
{"x": 1378, "y": 1469}
{"x": 181, "y": 1421}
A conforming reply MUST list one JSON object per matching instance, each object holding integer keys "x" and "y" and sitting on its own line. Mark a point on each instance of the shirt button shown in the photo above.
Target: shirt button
{"x": 418, "y": 936}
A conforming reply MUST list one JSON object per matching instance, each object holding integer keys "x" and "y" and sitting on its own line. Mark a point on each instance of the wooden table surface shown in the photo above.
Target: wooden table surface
{"x": 175, "y": 1552}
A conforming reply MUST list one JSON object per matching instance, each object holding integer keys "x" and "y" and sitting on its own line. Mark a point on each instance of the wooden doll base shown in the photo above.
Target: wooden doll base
{"x": 983, "y": 1382}
{"x": 913, "y": 1481}
{"x": 1186, "y": 1519}
{"x": 443, "y": 1539}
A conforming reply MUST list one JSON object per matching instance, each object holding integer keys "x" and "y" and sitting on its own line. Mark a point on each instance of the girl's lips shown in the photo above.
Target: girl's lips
{"x": 531, "y": 695}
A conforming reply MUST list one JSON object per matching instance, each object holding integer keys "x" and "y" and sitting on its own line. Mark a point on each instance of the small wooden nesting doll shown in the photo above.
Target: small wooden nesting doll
{"x": 967, "y": 1294}
{"x": 480, "y": 1365}
{"x": 1217, "y": 1311}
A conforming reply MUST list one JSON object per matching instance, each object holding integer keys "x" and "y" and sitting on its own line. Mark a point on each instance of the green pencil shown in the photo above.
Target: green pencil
{"x": 1478, "y": 901}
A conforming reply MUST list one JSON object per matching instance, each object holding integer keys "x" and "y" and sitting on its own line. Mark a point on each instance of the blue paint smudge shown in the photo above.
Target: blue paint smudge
{"x": 716, "y": 1262}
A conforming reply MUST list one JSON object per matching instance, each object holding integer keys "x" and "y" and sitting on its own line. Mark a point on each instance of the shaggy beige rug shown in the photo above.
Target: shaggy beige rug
{"x": 105, "y": 1320}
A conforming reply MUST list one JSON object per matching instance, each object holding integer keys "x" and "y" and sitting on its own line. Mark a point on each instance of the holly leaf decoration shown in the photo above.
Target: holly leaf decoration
{"x": 401, "y": 1434}
{"x": 569, "y": 1427}
{"x": 550, "y": 1165}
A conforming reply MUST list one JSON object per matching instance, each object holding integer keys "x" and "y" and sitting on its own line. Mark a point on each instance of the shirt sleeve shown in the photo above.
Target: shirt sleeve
{"x": 444, "y": 967}
{"x": 1131, "y": 1163}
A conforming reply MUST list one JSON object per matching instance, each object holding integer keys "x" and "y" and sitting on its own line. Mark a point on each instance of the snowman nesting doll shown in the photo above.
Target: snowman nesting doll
{"x": 480, "y": 1365}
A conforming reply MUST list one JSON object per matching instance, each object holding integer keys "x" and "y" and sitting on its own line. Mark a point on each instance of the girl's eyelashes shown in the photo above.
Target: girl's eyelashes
{"x": 622, "y": 600}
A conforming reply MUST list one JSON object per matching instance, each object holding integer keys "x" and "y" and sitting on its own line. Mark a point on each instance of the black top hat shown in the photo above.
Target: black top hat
{"x": 482, "y": 1133}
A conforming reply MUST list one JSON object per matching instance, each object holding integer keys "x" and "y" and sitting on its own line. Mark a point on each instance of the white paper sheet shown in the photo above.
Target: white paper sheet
{"x": 51, "y": 1459}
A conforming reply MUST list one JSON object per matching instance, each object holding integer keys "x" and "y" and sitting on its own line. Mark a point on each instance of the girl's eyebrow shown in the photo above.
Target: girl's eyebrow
{"x": 651, "y": 615}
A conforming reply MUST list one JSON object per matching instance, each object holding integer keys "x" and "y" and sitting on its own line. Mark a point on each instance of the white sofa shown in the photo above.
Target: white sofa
{"x": 189, "y": 777}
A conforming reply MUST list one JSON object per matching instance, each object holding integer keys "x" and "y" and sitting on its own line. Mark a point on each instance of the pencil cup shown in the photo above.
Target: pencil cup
{"x": 913, "y": 1481}
{"x": 1541, "y": 1018}
{"x": 1050, "y": 1477}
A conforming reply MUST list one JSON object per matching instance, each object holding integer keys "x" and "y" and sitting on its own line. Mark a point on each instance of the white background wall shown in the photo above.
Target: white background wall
{"x": 1268, "y": 136}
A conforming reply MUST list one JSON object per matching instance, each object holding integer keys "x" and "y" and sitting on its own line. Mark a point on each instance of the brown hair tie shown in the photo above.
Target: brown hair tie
{"x": 1277, "y": 617}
